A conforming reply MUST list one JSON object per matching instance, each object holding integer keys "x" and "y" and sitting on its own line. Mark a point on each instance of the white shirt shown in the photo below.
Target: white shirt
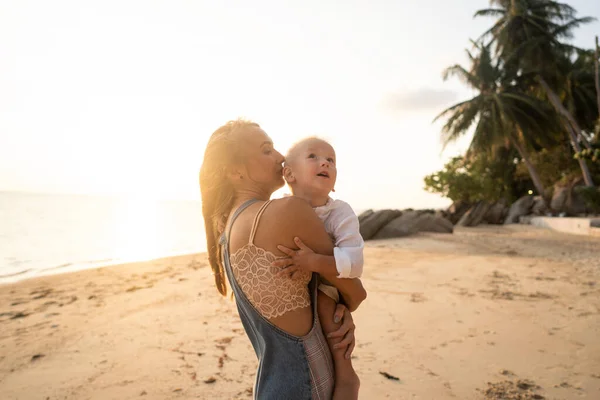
{"x": 341, "y": 223}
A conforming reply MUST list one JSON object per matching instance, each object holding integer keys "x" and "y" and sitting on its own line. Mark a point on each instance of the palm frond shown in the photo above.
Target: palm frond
{"x": 460, "y": 72}
{"x": 455, "y": 107}
{"x": 490, "y": 12}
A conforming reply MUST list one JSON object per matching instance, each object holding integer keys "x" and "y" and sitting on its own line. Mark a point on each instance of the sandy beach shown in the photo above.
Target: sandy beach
{"x": 486, "y": 313}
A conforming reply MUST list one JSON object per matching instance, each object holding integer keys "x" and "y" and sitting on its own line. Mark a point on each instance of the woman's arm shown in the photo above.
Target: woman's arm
{"x": 295, "y": 218}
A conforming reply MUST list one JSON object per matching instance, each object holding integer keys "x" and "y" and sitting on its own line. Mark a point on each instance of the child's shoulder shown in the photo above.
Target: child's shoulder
{"x": 341, "y": 207}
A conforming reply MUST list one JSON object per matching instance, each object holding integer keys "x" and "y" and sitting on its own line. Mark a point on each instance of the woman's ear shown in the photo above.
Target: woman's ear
{"x": 288, "y": 175}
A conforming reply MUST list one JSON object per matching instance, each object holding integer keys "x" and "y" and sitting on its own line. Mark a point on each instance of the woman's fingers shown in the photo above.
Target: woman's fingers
{"x": 350, "y": 348}
{"x": 347, "y": 324}
{"x": 348, "y": 339}
{"x": 339, "y": 313}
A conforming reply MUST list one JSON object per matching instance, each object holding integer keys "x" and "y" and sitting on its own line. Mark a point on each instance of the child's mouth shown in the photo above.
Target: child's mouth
{"x": 323, "y": 174}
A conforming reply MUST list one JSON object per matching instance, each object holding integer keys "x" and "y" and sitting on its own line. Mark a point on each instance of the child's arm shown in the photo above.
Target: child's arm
{"x": 347, "y": 261}
{"x": 349, "y": 244}
{"x": 305, "y": 259}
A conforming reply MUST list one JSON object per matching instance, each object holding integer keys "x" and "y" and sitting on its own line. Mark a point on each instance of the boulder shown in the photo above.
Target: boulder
{"x": 496, "y": 213}
{"x": 519, "y": 208}
{"x": 434, "y": 223}
{"x": 457, "y": 210}
{"x": 575, "y": 204}
{"x": 559, "y": 198}
{"x": 371, "y": 224}
{"x": 364, "y": 215}
{"x": 442, "y": 214}
{"x": 398, "y": 227}
{"x": 539, "y": 206}
{"x": 567, "y": 200}
{"x": 411, "y": 222}
{"x": 475, "y": 215}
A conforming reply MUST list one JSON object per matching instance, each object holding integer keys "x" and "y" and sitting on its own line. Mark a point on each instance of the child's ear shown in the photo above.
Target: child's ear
{"x": 288, "y": 175}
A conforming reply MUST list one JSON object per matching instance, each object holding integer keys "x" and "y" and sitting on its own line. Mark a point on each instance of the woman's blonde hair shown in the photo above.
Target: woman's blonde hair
{"x": 223, "y": 151}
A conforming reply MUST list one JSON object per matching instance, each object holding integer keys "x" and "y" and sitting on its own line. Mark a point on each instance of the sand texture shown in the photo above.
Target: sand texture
{"x": 486, "y": 313}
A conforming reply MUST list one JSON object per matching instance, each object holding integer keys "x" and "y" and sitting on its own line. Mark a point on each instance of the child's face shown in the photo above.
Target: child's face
{"x": 313, "y": 168}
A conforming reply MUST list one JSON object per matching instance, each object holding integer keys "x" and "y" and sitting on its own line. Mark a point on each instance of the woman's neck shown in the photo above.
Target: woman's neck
{"x": 242, "y": 195}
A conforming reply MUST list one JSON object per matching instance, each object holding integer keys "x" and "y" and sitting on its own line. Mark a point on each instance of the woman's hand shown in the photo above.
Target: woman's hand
{"x": 303, "y": 259}
{"x": 345, "y": 331}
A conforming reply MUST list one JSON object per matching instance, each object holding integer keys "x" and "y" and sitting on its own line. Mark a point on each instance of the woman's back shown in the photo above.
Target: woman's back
{"x": 294, "y": 360}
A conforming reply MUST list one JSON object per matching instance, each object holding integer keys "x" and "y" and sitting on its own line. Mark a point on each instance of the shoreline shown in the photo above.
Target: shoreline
{"x": 485, "y": 311}
{"x": 77, "y": 267}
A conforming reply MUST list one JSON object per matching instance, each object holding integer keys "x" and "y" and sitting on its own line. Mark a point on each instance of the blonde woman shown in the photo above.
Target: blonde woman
{"x": 240, "y": 172}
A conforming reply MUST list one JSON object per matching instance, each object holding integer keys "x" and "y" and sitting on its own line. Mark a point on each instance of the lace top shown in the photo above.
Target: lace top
{"x": 271, "y": 295}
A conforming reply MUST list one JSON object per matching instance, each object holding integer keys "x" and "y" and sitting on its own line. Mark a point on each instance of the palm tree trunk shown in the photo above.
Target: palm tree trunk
{"x": 597, "y": 77}
{"x": 558, "y": 106}
{"x": 537, "y": 182}
{"x": 587, "y": 177}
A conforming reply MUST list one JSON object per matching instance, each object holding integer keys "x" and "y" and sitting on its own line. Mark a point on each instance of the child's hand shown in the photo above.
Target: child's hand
{"x": 303, "y": 259}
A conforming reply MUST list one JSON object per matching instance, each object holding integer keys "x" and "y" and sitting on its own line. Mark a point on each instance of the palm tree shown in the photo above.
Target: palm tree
{"x": 579, "y": 94}
{"x": 501, "y": 111}
{"x": 528, "y": 36}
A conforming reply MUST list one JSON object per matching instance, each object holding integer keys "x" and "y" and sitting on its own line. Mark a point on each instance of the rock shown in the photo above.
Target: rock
{"x": 567, "y": 200}
{"x": 371, "y": 224}
{"x": 496, "y": 213}
{"x": 559, "y": 198}
{"x": 364, "y": 215}
{"x": 519, "y": 208}
{"x": 475, "y": 215}
{"x": 442, "y": 214}
{"x": 457, "y": 210}
{"x": 411, "y": 222}
{"x": 575, "y": 203}
{"x": 433, "y": 223}
{"x": 539, "y": 206}
{"x": 525, "y": 219}
{"x": 399, "y": 226}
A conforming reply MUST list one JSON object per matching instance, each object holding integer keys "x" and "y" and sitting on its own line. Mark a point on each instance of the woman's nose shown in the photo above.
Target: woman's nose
{"x": 280, "y": 157}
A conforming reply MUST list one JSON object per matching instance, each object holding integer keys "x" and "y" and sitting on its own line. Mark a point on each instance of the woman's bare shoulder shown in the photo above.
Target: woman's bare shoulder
{"x": 291, "y": 217}
{"x": 291, "y": 207}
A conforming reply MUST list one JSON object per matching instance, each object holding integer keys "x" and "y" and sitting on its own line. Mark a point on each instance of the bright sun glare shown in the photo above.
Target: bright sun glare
{"x": 136, "y": 235}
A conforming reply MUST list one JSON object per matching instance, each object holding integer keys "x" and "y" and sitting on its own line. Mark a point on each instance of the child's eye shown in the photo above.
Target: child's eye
{"x": 312, "y": 155}
{"x": 331, "y": 160}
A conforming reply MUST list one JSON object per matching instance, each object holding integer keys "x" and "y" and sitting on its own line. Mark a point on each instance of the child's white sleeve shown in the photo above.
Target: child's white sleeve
{"x": 349, "y": 244}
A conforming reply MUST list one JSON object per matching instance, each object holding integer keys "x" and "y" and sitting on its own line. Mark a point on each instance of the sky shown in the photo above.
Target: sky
{"x": 120, "y": 97}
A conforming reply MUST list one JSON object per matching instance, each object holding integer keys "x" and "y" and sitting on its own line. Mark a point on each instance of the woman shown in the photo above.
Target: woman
{"x": 239, "y": 173}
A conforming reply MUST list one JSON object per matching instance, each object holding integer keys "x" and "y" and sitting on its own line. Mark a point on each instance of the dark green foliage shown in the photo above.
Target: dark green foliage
{"x": 525, "y": 73}
{"x": 590, "y": 196}
{"x": 476, "y": 178}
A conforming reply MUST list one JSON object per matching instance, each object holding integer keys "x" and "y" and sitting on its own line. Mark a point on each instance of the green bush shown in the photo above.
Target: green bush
{"x": 475, "y": 178}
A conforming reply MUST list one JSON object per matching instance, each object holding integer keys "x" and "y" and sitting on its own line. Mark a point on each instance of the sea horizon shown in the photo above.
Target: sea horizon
{"x": 50, "y": 233}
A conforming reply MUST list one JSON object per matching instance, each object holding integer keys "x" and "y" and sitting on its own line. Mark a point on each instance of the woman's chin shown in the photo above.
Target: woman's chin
{"x": 280, "y": 183}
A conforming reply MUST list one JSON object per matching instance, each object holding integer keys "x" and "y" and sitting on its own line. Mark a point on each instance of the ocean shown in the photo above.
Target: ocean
{"x": 51, "y": 233}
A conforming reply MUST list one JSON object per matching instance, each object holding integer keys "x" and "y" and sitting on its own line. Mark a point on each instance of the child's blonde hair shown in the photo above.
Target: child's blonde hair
{"x": 292, "y": 152}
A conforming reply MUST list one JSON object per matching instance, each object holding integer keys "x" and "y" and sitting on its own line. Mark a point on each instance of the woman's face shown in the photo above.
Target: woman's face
{"x": 263, "y": 163}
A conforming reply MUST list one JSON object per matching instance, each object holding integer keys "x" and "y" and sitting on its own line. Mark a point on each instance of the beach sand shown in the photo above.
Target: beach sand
{"x": 487, "y": 313}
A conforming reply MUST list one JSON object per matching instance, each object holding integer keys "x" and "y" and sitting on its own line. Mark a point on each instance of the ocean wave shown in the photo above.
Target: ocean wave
{"x": 16, "y": 273}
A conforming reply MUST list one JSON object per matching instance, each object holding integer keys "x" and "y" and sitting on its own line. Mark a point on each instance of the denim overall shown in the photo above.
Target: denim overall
{"x": 289, "y": 367}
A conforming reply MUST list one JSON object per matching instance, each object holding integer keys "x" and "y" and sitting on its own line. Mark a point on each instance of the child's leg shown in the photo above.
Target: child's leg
{"x": 346, "y": 380}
